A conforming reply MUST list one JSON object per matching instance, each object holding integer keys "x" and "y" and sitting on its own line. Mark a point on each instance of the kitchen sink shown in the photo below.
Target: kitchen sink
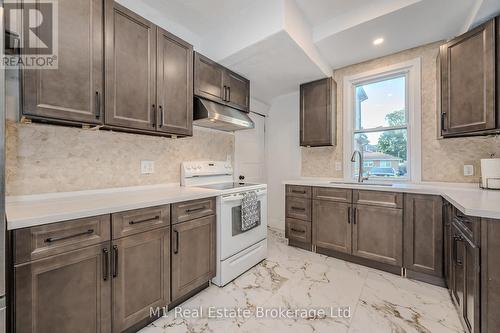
{"x": 368, "y": 184}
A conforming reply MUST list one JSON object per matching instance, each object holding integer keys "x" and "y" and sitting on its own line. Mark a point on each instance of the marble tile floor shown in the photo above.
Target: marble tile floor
{"x": 294, "y": 279}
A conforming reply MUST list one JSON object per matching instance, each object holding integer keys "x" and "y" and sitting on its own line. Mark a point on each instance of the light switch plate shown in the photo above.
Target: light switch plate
{"x": 338, "y": 166}
{"x": 468, "y": 170}
{"x": 147, "y": 167}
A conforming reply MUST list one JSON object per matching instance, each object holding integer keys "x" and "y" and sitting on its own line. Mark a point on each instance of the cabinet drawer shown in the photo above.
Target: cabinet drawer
{"x": 51, "y": 239}
{"x": 298, "y": 231}
{"x": 332, "y": 194}
{"x": 470, "y": 225}
{"x": 298, "y": 191}
{"x": 298, "y": 208}
{"x": 190, "y": 210}
{"x": 139, "y": 220}
{"x": 378, "y": 198}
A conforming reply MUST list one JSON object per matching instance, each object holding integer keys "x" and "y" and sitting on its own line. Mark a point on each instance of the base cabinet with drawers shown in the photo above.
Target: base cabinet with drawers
{"x": 105, "y": 273}
{"x": 298, "y": 216}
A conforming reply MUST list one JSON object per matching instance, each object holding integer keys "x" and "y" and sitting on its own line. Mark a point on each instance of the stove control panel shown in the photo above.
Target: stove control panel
{"x": 205, "y": 168}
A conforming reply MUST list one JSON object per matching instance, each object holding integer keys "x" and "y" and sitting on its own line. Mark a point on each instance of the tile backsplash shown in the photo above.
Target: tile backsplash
{"x": 442, "y": 160}
{"x": 46, "y": 158}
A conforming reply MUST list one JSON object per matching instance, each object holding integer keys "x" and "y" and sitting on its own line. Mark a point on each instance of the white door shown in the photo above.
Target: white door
{"x": 249, "y": 151}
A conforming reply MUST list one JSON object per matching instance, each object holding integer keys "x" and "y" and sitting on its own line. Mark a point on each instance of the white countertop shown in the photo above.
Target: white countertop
{"x": 468, "y": 198}
{"x": 31, "y": 210}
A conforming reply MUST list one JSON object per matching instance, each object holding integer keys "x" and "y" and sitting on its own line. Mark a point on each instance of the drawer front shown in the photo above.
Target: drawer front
{"x": 51, "y": 239}
{"x": 332, "y": 194}
{"x": 298, "y": 231}
{"x": 471, "y": 225}
{"x": 378, "y": 198}
{"x": 298, "y": 208}
{"x": 190, "y": 210}
{"x": 139, "y": 220}
{"x": 298, "y": 191}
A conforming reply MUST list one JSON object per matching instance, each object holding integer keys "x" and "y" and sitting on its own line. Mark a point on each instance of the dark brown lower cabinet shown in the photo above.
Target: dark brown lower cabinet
{"x": 378, "y": 234}
{"x": 141, "y": 276}
{"x": 298, "y": 233}
{"x": 332, "y": 225}
{"x": 70, "y": 292}
{"x": 423, "y": 234}
{"x": 447, "y": 221}
{"x": 193, "y": 255}
{"x": 490, "y": 275}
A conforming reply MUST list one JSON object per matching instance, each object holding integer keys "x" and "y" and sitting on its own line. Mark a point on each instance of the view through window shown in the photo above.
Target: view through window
{"x": 381, "y": 127}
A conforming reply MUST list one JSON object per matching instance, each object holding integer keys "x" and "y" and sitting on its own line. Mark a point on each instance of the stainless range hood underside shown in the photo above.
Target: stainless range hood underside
{"x": 217, "y": 116}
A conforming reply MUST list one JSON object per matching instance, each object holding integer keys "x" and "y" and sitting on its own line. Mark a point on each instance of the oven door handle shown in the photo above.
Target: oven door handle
{"x": 231, "y": 198}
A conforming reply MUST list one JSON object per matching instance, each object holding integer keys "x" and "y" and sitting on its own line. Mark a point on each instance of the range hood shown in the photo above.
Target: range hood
{"x": 217, "y": 116}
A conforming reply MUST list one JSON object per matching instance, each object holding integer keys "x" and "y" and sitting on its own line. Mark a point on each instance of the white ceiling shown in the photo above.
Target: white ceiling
{"x": 279, "y": 44}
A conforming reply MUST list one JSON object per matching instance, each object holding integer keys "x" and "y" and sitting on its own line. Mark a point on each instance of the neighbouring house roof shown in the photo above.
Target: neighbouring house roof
{"x": 368, "y": 156}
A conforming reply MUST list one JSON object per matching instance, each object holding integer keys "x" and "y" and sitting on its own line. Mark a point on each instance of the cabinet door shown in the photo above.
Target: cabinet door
{"x": 69, "y": 292}
{"x": 73, "y": 91}
{"x": 490, "y": 275}
{"x": 238, "y": 91}
{"x": 423, "y": 234}
{"x": 193, "y": 255}
{"x": 317, "y": 116}
{"x": 174, "y": 84}
{"x": 468, "y": 82}
{"x": 378, "y": 234}
{"x": 208, "y": 79}
{"x": 332, "y": 225}
{"x": 141, "y": 276}
{"x": 130, "y": 69}
{"x": 448, "y": 242}
{"x": 472, "y": 290}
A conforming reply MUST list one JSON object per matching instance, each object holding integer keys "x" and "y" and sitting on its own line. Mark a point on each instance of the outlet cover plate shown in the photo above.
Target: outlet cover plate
{"x": 468, "y": 170}
{"x": 147, "y": 167}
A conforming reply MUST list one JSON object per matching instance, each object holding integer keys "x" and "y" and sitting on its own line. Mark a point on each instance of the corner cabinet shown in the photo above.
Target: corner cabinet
{"x": 74, "y": 92}
{"x": 318, "y": 115}
{"x": 217, "y": 83}
{"x": 470, "y": 74}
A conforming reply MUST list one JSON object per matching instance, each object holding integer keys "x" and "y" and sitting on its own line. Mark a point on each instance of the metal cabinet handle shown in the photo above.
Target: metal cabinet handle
{"x": 228, "y": 94}
{"x": 354, "y": 213}
{"x": 157, "y": 217}
{"x": 224, "y": 92}
{"x": 349, "y": 215}
{"x": 162, "y": 116}
{"x": 105, "y": 268}
{"x": 57, "y": 239}
{"x": 443, "y": 125}
{"x": 299, "y": 192}
{"x": 153, "y": 109}
{"x": 298, "y": 208}
{"x": 455, "y": 249}
{"x": 296, "y": 230}
{"x": 97, "y": 105}
{"x": 176, "y": 247}
{"x": 192, "y": 210}
{"x": 115, "y": 261}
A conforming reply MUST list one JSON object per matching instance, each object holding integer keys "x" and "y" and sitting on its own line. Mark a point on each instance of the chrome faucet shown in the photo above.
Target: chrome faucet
{"x": 360, "y": 169}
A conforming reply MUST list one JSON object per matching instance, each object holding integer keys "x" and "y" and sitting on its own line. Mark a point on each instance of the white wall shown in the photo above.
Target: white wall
{"x": 283, "y": 153}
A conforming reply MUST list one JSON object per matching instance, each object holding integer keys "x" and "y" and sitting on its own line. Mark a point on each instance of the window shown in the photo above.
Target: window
{"x": 383, "y": 122}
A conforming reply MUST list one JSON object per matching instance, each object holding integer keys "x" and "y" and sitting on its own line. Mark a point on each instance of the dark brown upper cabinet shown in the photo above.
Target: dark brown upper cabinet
{"x": 423, "y": 235}
{"x": 469, "y": 86}
{"x": 174, "y": 84}
{"x": 217, "y": 83}
{"x": 130, "y": 70}
{"x": 74, "y": 91}
{"x": 318, "y": 113}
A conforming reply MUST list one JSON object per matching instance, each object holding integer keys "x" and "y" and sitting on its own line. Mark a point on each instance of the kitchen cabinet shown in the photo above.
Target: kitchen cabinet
{"x": 332, "y": 225}
{"x": 490, "y": 275}
{"x": 423, "y": 235}
{"x": 217, "y": 83}
{"x": 130, "y": 78}
{"x": 69, "y": 292}
{"x": 193, "y": 255}
{"x": 378, "y": 234}
{"x": 74, "y": 91}
{"x": 468, "y": 68}
{"x": 174, "y": 84}
{"x": 141, "y": 276}
{"x": 448, "y": 241}
{"x": 318, "y": 113}
{"x": 298, "y": 233}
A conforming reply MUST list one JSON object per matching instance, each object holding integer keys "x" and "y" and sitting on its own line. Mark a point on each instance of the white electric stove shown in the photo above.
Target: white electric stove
{"x": 237, "y": 251}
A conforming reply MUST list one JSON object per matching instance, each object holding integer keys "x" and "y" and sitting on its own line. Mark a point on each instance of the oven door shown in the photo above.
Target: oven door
{"x": 232, "y": 238}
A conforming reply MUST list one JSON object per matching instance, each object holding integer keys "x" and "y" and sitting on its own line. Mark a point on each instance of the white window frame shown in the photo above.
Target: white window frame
{"x": 412, "y": 70}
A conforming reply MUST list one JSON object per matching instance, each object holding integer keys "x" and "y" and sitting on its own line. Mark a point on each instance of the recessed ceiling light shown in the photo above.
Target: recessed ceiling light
{"x": 378, "y": 41}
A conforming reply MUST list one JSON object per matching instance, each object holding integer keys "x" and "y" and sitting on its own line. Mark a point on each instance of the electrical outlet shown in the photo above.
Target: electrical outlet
{"x": 468, "y": 170}
{"x": 338, "y": 166}
{"x": 147, "y": 167}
